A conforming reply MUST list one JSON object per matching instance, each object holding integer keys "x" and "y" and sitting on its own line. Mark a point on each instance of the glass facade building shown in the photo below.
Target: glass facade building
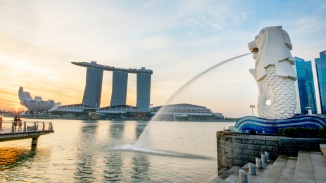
{"x": 306, "y": 86}
{"x": 321, "y": 77}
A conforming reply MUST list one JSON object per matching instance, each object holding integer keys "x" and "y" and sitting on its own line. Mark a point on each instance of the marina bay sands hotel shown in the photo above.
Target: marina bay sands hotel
{"x": 93, "y": 88}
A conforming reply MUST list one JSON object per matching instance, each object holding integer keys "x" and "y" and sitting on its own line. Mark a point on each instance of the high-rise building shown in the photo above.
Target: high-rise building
{"x": 143, "y": 90}
{"x": 321, "y": 78}
{"x": 94, "y": 77}
{"x": 93, "y": 88}
{"x": 119, "y": 88}
{"x": 306, "y": 86}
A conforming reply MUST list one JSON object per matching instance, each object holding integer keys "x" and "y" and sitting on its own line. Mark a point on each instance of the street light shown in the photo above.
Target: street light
{"x": 252, "y": 106}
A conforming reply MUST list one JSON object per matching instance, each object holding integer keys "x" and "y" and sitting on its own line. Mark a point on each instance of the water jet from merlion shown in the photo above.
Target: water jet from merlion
{"x": 141, "y": 146}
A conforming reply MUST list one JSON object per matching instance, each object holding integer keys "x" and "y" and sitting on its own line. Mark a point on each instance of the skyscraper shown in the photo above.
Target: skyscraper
{"x": 143, "y": 90}
{"x": 94, "y": 77}
{"x": 321, "y": 77}
{"x": 119, "y": 88}
{"x": 306, "y": 86}
{"x": 93, "y": 88}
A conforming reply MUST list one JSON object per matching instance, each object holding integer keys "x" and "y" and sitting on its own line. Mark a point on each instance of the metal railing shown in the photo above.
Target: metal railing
{"x": 25, "y": 127}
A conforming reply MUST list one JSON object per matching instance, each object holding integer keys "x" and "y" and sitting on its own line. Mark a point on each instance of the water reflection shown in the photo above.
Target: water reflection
{"x": 113, "y": 171}
{"x": 116, "y": 131}
{"x": 95, "y": 162}
{"x": 12, "y": 156}
{"x": 139, "y": 129}
{"x": 81, "y": 151}
{"x": 85, "y": 157}
{"x": 140, "y": 168}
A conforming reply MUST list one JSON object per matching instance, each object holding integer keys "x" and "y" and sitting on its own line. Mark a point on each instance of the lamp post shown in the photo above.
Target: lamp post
{"x": 252, "y": 106}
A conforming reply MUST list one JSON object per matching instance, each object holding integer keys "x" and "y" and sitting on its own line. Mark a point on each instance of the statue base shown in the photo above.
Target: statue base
{"x": 272, "y": 126}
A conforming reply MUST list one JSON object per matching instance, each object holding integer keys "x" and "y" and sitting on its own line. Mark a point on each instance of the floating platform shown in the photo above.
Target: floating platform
{"x": 272, "y": 126}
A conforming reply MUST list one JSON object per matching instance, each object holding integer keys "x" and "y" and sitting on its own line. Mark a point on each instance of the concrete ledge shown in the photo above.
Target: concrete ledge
{"x": 237, "y": 148}
{"x": 323, "y": 149}
{"x": 19, "y": 136}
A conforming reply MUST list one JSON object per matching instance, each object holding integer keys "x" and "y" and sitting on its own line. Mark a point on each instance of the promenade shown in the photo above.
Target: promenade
{"x": 307, "y": 167}
{"x": 28, "y": 129}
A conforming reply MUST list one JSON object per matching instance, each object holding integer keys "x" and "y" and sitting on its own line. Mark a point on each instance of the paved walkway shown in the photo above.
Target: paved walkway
{"x": 308, "y": 167}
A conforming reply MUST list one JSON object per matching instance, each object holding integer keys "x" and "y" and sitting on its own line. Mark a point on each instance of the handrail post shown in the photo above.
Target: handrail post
{"x": 43, "y": 127}
{"x": 25, "y": 126}
{"x": 12, "y": 127}
{"x": 35, "y": 129}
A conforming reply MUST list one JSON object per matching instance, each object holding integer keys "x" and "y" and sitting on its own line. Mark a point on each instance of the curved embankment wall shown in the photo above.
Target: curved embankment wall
{"x": 237, "y": 149}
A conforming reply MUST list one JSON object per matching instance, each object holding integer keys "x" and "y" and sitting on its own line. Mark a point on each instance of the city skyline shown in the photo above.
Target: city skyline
{"x": 306, "y": 86}
{"x": 321, "y": 75}
{"x": 175, "y": 39}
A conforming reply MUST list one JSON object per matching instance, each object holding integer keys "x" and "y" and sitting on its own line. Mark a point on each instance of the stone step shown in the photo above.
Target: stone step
{"x": 311, "y": 167}
{"x": 308, "y": 167}
{"x": 224, "y": 173}
{"x": 281, "y": 169}
{"x": 208, "y": 177}
{"x": 235, "y": 176}
{"x": 323, "y": 149}
{"x": 259, "y": 172}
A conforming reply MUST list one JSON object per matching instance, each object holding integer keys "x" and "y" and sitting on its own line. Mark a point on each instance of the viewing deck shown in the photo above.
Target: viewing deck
{"x": 111, "y": 68}
{"x": 28, "y": 129}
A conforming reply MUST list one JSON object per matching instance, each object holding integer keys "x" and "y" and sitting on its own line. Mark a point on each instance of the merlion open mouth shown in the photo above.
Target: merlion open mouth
{"x": 255, "y": 50}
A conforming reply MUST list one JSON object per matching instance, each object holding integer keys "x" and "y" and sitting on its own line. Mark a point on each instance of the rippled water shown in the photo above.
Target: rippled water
{"x": 81, "y": 151}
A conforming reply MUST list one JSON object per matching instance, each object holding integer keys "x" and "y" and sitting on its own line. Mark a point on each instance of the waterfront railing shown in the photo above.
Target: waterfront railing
{"x": 9, "y": 127}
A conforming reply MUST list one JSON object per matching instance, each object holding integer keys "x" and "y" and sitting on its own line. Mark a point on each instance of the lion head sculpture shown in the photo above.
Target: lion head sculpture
{"x": 272, "y": 47}
{"x": 274, "y": 73}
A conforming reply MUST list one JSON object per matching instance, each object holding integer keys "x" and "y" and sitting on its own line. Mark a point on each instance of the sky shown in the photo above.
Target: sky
{"x": 176, "y": 39}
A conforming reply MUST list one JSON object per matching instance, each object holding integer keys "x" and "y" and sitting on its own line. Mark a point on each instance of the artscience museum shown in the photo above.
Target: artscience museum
{"x": 36, "y": 104}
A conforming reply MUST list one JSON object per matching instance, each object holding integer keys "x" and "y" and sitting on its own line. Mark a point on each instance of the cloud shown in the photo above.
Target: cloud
{"x": 177, "y": 39}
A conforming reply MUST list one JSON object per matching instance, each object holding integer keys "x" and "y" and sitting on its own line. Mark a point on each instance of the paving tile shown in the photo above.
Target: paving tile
{"x": 304, "y": 164}
{"x": 287, "y": 173}
{"x": 232, "y": 178}
{"x": 280, "y": 161}
{"x": 320, "y": 176}
{"x": 317, "y": 157}
{"x": 307, "y": 167}
{"x": 304, "y": 180}
{"x": 291, "y": 164}
{"x": 304, "y": 159}
{"x": 320, "y": 169}
{"x": 274, "y": 172}
{"x": 283, "y": 181}
{"x": 320, "y": 181}
{"x": 319, "y": 163}
{"x": 268, "y": 180}
{"x": 304, "y": 155}
{"x": 279, "y": 164}
{"x": 303, "y": 174}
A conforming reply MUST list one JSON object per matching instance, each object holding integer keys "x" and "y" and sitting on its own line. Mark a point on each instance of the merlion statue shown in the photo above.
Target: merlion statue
{"x": 274, "y": 73}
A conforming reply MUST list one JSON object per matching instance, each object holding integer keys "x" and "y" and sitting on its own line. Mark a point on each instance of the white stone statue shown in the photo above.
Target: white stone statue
{"x": 274, "y": 73}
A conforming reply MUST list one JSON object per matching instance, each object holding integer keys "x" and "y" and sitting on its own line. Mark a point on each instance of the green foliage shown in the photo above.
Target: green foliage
{"x": 302, "y": 132}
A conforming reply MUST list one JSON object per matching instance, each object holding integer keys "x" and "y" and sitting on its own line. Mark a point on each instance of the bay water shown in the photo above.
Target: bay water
{"x": 83, "y": 151}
